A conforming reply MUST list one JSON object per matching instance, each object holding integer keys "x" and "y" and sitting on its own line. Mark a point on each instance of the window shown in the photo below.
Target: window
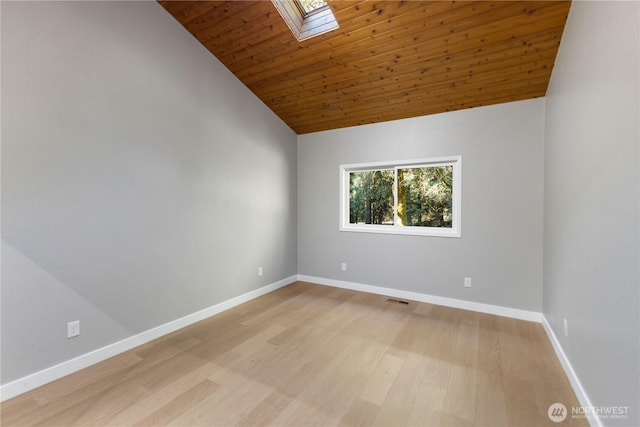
{"x": 309, "y": 6}
{"x": 420, "y": 197}
{"x": 306, "y": 18}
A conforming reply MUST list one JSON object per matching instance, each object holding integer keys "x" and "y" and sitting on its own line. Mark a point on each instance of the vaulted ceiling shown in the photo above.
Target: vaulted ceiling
{"x": 388, "y": 60}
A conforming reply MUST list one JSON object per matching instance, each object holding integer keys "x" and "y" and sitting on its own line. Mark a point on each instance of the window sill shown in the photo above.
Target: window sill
{"x": 406, "y": 231}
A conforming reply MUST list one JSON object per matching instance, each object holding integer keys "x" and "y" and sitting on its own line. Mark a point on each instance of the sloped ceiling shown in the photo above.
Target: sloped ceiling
{"x": 388, "y": 60}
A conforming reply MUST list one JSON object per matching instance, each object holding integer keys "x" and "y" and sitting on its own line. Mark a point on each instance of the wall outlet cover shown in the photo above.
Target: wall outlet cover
{"x": 73, "y": 329}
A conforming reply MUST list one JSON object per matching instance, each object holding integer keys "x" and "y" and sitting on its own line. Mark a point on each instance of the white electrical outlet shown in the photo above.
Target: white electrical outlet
{"x": 343, "y": 266}
{"x": 467, "y": 282}
{"x": 73, "y": 329}
{"x": 259, "y": 271}
{"x": 566, "y": 327}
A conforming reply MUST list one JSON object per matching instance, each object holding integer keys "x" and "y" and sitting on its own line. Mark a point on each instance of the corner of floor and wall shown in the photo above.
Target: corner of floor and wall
{"x": 144, "y": 192}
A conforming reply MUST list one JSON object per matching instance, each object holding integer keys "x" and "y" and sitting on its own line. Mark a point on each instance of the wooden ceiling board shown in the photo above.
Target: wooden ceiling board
{"x": 388, "y": 60}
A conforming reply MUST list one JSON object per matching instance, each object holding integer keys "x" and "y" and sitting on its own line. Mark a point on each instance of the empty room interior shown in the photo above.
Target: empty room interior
{"x": 299, "y": 212}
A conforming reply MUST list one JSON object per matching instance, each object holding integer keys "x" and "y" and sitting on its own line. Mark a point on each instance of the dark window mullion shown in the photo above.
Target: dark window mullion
{"x": 303, "y": 13}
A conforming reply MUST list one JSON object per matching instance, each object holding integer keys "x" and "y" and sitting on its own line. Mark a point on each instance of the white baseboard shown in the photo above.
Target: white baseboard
{"x": 580, "y": 392}
{"x": 515, "y": 313}
{"x": 53, "y": 373}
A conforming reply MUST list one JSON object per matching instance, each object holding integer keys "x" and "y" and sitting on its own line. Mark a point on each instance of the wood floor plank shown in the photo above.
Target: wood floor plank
{"x": 328, "y": 398}
{"x": 97, "y": 372}
{"x": 460, "y": 400}
{"x": 489, "y": 369}
{"x": 360, "y": 413}
{"x": 490, "y": 407}
{"x": 16, "y": 408}
{"x": 99, "y": 406}
{"x": 461, "y": 390}
{"x": 428, "y": 407}
{"x": 266, "y": 411}
{"x": 155, "y": 404}
{"x": 179, "y": 405}
{"x": 226, "y": 406}
{"x": 379, "y": 383}
{"x": 400, "y": 398}
{"x": 311, "y": 355}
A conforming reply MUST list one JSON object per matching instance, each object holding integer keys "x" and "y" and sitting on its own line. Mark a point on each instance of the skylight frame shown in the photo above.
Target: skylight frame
{"x": 306, "y": 25}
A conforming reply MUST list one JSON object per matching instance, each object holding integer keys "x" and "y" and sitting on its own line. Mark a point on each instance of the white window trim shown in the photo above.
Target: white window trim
{"x": 454, "y": 231}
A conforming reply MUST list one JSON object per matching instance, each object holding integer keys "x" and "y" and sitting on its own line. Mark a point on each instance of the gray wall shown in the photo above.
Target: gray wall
{"x": 591, "y": 217}
{"x": 141, "y": 181}
{"x": 502, "y": 184}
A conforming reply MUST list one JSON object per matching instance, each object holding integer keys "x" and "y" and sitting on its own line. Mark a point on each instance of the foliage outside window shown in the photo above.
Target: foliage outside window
{"x": 309, "y": 6}
{"x": 417, "y": 197}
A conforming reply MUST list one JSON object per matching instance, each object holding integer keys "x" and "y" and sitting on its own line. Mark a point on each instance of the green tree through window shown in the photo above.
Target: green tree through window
{"x": 424, "y": 196}
{"x": 371, "y": 197}
{"x": 309, "y": 6}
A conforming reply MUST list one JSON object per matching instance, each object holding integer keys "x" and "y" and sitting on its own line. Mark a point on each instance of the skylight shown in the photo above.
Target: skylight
{"x": 309, "y": 6}
{"x": 306, "y": 18}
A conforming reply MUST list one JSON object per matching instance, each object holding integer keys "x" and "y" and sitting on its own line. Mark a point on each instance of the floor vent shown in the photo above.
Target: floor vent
{"x": 399, "y": 301}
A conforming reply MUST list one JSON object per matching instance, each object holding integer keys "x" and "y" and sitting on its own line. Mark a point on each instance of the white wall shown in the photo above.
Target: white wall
{"x": 141, "y": 181}
{"x": 591, "y": 204}
{"x": 501, "y": 244}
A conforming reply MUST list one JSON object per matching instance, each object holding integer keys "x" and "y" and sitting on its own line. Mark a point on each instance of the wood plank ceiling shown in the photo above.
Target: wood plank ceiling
{"x": 388, "y": 60}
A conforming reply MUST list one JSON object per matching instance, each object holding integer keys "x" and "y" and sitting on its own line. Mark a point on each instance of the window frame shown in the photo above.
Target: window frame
{"x": 456, "y": 202}
{"x": 305, "y": 25}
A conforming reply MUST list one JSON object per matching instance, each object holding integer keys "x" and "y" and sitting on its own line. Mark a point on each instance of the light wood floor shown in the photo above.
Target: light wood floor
{"x": 314, "y": 355}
